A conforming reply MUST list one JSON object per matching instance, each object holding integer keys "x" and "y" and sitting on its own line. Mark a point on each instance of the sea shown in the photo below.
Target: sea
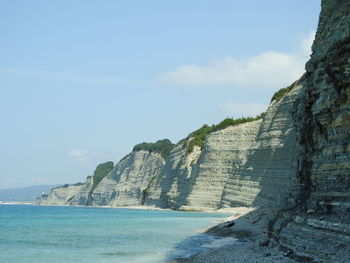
{"x": 35, "y": 234}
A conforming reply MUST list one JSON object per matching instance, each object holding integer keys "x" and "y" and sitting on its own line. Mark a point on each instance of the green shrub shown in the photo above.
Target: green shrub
{"x": 77, "y": 184}
{"x": 280, "y": 94}
{"x": 163, "y": 147}
{"x": 197, "y": 138}
{"x": 101, "y": 171}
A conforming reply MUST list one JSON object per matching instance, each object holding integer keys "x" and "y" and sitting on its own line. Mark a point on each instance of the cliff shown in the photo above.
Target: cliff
{"x": 293, "y": 162}
{"x": 61, "y": 195}
{"x": 319, "y": 227}
{"x": 230, "y": 166}
{"x": 250, "y": 164}
{"x": 126, "y": 184}
{"x": 233, "y": 162}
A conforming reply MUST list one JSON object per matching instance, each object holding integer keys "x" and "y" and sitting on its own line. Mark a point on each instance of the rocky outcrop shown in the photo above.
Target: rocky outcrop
{"x": 319, "y": 227}
{"x": 196, "y": 181}
{"x": 128, "y": 181}
{"x": 224, "y": 153}
{"x": 171, "y": 187}
{"x": 83, "y": 196}
{"x": 252, "y": 164}
{"x": 61, "y": 195}
{"x": 267, "y": 177}
{"x": 125, "y": 185}
{"x": 295, "y": 161}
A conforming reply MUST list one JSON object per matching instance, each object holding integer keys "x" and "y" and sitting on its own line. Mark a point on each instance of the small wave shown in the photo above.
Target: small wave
{"x": 198, "y": 243}
{"x": 216, "y": 243}
{"x": 125, "y": 253}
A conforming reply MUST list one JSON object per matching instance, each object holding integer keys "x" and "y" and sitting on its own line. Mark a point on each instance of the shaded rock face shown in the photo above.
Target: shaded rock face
{"x": 323, "y": 125}
{"x": 61, "y": 195}
{"x": 128, "y": 181}
{"x": 252, "y": 164}
{"x": 83, "y": 196}
{"x": 295, "y": 160}
{"x": 225, "y": 151}
{"x": 171, "y": 188}
{"x": 267, "y": 176}
{"x": 125, "y": 185}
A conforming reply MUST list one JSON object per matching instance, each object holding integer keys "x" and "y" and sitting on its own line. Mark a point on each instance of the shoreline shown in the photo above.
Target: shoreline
{"x": 227, "y": 211}
{"x": 240, "y": 237}
{"x": 18, "y": 203}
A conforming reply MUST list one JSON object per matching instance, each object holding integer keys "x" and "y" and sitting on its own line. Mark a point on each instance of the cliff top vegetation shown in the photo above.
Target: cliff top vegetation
{"x": 281, "y": 93}
{"x": 162, "y": 147}
{"x": 197, "y": 138}
{"x": 278, "y": 95}
{"x": 101, "y": 171}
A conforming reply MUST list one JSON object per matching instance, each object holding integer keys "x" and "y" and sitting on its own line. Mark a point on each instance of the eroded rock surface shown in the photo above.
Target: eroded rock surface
{"x": 318, "y": 228}
{"x": 296, "y": 161}
{"x": 61, "y": 195}
{"x": 128, "y": 181}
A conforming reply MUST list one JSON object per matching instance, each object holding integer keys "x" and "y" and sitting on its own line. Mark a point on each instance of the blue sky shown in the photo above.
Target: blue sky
{"x": 82, "y": 82}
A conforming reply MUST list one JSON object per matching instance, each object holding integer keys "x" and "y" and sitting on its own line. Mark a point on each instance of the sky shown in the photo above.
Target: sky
{"x": 82, "y": 82}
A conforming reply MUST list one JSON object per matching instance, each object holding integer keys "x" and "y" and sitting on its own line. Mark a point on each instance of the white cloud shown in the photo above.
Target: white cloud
{"x": 306, "y": 43}
{"x": 79, "y": 156}
{"x": 237, "y": 109}
{"x": 270, "y": 69}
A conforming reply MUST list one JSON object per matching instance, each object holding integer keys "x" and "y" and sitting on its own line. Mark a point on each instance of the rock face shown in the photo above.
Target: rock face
{"x": 82, "y": 197}
{"x": 267, "y": 176}
{"x": 252, "y": 164}
{"x": 197, "y": 181}
{"x": 295, "y": 161}
{"x": 323, "y": 124}
{"x": 61, "y": 195}
{"x": 171, "y": 187}
{"x": 225, "y": 151}
{"x": 125, "y": 185}
{"x": 128, "y": 181}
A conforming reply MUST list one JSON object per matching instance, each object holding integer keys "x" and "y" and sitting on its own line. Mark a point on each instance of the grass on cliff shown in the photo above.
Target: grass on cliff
{"x": 101, "y": 171}
{"x": 282, "y": 92}
{"x": 197, "y": 138}
{"x": 163, "y": 147}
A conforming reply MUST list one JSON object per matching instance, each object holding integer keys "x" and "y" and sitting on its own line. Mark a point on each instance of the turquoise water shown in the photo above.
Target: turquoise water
{"x": 38, "y": 234}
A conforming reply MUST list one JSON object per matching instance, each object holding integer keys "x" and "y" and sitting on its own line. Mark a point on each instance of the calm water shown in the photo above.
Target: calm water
{"x": 81, "y": 234}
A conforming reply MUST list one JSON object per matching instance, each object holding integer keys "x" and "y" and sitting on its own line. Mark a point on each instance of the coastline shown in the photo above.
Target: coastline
{"x": 18, "y": 203}
{"x": 242, "y": 237}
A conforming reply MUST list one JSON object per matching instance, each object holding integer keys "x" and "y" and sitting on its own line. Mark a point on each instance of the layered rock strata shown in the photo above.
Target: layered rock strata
{"x": 323, "y": 124}
{"x": 83, "y": 196}
{"x": 171, "y": 188}
{"x": 128, "y": 181}
{"x": 295, "y": 161}
{"x": 252, "y": 164}
{"x": 267, "y": 176}
{"x": 125, "y": 185}
{"x": 61, "y": 195}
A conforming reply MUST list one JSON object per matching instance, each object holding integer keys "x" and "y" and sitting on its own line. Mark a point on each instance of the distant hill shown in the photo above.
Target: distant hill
{"x": 29, "y": 193}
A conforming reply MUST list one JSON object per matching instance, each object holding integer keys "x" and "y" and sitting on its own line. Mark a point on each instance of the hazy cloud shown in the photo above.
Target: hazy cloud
{"x": 306, "y": 43}
{"x": 79, "y": 156}
{"x": 266, "y": 70}
{"x": 237, "y": 109}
